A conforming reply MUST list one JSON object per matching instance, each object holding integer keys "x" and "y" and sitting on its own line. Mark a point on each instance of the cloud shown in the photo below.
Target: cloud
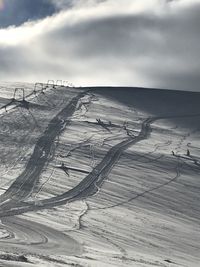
{"x": 106, "y": 43}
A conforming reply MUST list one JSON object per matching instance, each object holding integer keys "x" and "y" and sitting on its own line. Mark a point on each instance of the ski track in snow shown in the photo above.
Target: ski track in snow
{"x": 23, "y": 195}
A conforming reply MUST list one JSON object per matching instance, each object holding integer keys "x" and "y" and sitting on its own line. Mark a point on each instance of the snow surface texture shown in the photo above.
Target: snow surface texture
{"x": 88, "y": 176}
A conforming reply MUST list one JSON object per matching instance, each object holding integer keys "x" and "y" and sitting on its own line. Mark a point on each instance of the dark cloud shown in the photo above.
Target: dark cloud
{"x": 16, "y": 12}
{"x": 152, "y": 49}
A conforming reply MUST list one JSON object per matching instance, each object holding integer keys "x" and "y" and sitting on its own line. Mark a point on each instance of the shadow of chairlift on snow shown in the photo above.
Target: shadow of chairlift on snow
{"x": 187, "y": 156}
{"x": 107, "y": 125}
{"x": 103, "y": 124}
{"x": 66, "y": 169}
{"x": 129, "y": 132}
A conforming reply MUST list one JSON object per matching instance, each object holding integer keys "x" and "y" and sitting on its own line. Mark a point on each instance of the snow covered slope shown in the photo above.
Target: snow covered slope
{"x": 99, "y": 176}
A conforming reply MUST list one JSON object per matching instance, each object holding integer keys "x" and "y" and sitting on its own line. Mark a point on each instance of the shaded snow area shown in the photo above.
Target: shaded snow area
{"x": 99, "y": 177}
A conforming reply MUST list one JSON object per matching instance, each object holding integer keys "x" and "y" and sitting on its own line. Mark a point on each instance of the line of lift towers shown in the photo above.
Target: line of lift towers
{"x": 38, "y": 88}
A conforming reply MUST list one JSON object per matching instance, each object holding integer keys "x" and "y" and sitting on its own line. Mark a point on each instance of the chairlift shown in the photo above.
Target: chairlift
{"x": 59, "y": 81}
{"x": 41, "y": 85}
{"x": 15, "y": 92}
{"x": 51, "y": 82}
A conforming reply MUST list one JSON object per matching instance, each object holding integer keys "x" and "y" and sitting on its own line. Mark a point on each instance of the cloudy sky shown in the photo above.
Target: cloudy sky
{"x": 149, "y": 43}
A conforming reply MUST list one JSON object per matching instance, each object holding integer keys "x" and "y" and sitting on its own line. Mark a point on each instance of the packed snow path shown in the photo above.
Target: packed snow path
{"x": 24, "y": 184}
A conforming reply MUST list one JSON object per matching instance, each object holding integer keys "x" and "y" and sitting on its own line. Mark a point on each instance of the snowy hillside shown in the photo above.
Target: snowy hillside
{"x": 99, "y": 176}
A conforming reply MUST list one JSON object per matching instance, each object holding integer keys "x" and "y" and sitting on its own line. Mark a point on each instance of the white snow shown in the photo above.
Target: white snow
{"x": 147, "y": 211}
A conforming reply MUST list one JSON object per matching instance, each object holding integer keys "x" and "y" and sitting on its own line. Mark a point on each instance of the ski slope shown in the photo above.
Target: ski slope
{"x": 99, "y": 176}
